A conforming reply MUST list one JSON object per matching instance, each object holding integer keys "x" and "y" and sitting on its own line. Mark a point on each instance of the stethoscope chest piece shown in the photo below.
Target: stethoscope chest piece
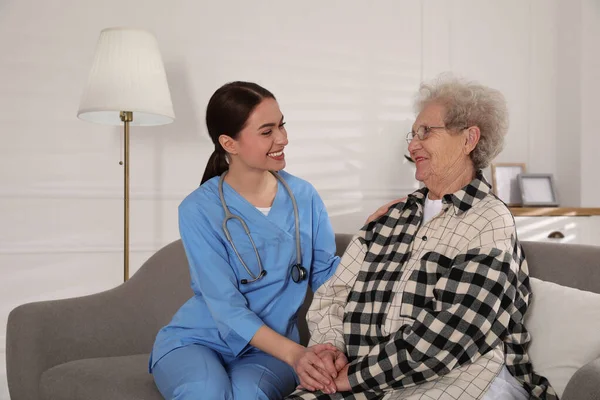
{"x": 298, "y": 273}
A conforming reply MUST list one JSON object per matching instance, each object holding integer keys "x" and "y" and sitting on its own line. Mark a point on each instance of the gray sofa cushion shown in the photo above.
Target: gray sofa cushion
{"x": 115, "y": 378}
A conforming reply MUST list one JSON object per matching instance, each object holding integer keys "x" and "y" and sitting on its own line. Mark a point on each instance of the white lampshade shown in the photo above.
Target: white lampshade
{"x": 127, "y": 75}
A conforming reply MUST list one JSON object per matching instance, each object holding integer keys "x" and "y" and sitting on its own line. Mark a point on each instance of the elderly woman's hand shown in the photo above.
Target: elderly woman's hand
{"x": 333, "y": 361}
{"x": 383, "y": 210}
{"x": 312, "y": 370}
{"x": 342, "y": 383}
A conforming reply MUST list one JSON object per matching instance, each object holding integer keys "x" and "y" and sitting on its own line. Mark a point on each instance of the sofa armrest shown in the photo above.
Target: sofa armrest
{"x": 44, "y": 334}
{"x": 585, "y": 383}
{"x": 118, "y": 322}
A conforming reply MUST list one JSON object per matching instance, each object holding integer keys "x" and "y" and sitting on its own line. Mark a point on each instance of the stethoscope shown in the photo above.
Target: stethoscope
{"x": 298, "y": 272}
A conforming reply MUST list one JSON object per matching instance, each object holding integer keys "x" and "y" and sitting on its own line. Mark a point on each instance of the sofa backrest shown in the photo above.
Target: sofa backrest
{"x": 572, "y": 265}
{"x": 158, "y": 289}
{"x": 162, "y": 284}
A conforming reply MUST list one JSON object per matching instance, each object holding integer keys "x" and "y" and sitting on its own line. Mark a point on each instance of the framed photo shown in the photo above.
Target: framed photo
{"x": 505, "y": 184}
{"x": 538, "y": 190}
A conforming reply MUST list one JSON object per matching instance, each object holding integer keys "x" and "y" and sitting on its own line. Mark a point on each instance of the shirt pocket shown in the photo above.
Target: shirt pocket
{"x": 247, "y": 251}
{"x": 275, "y": 252}
{"x": 418, "y": 292}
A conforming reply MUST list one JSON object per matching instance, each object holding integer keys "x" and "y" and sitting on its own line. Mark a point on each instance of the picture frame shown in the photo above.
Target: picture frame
{"x": 538, "y": 190}
{"x": 505, "y": 184}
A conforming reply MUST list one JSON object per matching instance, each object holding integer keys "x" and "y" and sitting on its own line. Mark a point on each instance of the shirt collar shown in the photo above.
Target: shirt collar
{"x": 461, "y": 200}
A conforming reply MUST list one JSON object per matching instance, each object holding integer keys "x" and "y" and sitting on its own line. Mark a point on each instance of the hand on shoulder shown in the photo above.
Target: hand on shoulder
{"x": 381, "y": 211}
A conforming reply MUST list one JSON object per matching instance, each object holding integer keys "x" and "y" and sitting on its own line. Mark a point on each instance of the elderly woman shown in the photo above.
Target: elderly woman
{"x": 429, "y": 298}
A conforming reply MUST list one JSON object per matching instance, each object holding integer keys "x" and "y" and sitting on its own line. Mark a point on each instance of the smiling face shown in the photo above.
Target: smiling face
{"x": 260, "y": 144}
{"x": 441, "y": 155}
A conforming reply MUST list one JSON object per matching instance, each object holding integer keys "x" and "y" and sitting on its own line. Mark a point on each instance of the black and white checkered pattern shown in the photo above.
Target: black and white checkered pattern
{"x": 430, "y": 311}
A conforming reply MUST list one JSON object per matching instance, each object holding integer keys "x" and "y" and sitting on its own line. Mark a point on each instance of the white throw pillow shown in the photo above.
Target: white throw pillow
{"x": 565, "y": 328}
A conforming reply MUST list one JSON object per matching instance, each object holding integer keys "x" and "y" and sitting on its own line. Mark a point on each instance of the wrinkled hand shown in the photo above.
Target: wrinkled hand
{"x": 342, "y": 383}
{"x": 311, "y": 369}
{"x": 383, "y": 210}
{"x": 334, "y": 361}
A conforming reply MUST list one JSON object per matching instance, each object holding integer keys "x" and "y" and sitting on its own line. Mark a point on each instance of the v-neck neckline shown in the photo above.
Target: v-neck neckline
{"x": 246, "y": 210}
{"x": 274, "y": 204}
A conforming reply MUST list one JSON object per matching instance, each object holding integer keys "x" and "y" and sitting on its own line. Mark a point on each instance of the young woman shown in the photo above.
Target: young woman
{"x": 255, "y": 238}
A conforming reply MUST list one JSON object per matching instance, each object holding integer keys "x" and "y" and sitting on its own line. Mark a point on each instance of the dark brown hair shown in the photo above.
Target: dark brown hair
{"x": 227, "y": 112}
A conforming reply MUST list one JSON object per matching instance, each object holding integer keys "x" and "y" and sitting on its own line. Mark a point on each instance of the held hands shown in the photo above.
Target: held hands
{"x": 311, "y": 369}
{"x": 314, "y": 372}
{"x": 329, "y": 371}
{"x": 337, "y": 364}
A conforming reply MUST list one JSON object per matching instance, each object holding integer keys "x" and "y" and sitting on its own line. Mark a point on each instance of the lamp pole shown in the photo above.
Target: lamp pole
{"x": 126, "y": 117}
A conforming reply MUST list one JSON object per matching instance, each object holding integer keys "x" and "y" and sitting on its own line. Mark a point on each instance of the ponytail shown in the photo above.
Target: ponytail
{"x": 227, "y": 112}
{"x": 216, "y": 165}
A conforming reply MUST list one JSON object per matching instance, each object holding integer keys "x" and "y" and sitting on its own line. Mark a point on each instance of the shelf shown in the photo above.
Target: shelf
{"x": 553, "y": 211}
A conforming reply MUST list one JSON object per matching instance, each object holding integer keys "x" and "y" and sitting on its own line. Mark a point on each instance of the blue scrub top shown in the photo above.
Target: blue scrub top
{"x": 224, "y": 314}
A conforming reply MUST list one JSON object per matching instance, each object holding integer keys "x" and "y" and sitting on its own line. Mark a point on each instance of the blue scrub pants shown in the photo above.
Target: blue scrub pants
{"x": 196, "y": 372}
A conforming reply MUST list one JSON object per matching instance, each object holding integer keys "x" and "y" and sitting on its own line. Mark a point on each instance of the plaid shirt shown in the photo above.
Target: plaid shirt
{"x": 430, "y": 311}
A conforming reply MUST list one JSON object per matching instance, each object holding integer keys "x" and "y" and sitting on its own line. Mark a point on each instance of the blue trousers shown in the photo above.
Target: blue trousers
{"x": 196, "y": 372}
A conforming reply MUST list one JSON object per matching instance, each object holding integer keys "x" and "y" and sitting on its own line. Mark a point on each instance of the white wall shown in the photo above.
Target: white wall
{"x": 590, "y": 117}
{"x": 344, "y": 73}
{"x": 569, "y": 101}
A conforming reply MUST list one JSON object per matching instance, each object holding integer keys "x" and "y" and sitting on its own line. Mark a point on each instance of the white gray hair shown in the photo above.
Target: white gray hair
{"x": 467, "y": 104}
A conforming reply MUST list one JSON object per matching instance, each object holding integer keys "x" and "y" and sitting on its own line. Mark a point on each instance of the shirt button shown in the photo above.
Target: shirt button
{"x": 424, "y": 238}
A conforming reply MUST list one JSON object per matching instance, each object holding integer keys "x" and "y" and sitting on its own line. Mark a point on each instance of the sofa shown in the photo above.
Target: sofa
{"x": 97, "y": 346}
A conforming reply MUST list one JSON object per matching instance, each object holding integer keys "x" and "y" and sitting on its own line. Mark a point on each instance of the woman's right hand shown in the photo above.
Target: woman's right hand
{"x": 312, "y": 370}
{"x": 383, "y": 210}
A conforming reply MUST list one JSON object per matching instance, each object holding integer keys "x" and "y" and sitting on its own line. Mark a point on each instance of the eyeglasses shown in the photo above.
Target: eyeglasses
{"x": 423, "y": 132}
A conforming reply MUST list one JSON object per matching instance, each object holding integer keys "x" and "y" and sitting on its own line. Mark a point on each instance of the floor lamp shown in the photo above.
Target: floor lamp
{"x": 127, "y": 85}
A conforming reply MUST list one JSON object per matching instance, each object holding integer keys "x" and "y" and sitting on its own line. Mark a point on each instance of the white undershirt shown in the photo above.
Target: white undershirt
{"x": 264, "y": 210}
{"x": 431, "y": 209}
{"x": 504, "y": 386}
